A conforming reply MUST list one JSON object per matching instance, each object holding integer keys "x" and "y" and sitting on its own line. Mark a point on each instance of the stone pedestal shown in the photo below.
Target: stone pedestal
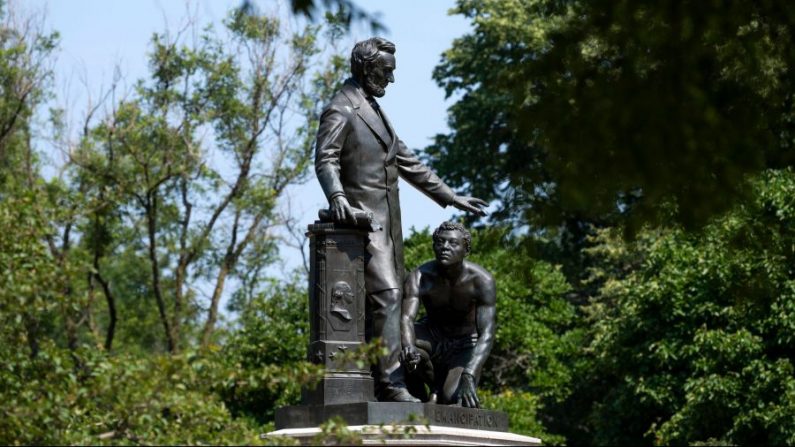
{"x": 411, "y": 435}
{"x": 375, "y": 413}
{"x": 336, "y": 314}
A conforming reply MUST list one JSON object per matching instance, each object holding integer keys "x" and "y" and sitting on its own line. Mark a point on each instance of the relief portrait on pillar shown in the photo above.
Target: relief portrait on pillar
{"x": 341, "y": 301}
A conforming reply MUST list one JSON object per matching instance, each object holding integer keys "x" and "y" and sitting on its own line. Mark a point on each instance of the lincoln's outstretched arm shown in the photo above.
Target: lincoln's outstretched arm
{"x": 421, "y": 177}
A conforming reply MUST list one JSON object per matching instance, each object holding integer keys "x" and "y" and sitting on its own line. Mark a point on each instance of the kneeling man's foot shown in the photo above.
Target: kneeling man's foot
{"x": 397, "y": 394}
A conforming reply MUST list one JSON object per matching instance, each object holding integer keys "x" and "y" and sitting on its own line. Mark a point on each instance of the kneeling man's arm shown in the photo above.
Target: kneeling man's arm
{"x": 410, "y": 306}
{"x": 485, "y": 317}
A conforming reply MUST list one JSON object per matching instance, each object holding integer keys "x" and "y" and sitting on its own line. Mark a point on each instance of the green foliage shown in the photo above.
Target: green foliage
{"x": 525, "y": 412}
{"x": 346, "y": 10}
{"x": 29, "y": 281}
{"x": 103, "y": 268}
{"x": 127, "y": 399}
{"x": 695, "y": 345}
{"x": 273, "y": 332}
{"x": 52, "y": 394}
{"x": 54, "y": 391}
{"x": 584, "y": 105}
{"x": 671, "y": 117}
{"x": 335, "y": 432}
{"x": 188, "y": 172}
{"x": 25, "y": 51}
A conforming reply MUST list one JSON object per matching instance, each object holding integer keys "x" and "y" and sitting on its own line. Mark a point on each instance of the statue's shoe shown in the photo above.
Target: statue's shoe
{"x": 397, "y": 394}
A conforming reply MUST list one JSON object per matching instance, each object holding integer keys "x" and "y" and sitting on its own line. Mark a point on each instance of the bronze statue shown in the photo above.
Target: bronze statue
{"x": 448, "y": 347}
{"x": 358, "y": 161}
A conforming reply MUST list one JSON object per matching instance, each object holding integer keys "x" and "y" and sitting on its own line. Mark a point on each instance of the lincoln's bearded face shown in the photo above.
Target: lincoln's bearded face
{"x": 379, "y": 74}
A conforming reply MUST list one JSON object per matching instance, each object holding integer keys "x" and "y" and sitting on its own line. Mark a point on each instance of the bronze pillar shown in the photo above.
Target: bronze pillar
{"x": 337, "y": 313}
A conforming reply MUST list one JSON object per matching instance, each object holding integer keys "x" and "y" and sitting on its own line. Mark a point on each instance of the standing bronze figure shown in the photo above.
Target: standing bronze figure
{"x": 448, "y": 347}
{"x": 358, "y": 161}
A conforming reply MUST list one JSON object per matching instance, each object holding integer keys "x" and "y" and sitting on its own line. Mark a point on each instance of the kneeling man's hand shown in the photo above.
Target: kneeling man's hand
{"x": 410, "y": 357}
{"x": 468, "y": 397}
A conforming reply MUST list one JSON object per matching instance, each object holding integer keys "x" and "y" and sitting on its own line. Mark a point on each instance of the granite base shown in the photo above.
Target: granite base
{"x": 376, "y": 413}
{"x": 410, "y": 435}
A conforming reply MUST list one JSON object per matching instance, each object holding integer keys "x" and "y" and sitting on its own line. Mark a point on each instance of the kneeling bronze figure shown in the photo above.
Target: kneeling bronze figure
{"x": 447, "y": 348}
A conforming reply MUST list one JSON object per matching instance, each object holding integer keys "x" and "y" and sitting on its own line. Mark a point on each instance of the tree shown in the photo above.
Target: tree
{"x": 605, "y": 108}
{"x": 155, "y": 195}
{"x": 347, "y": 10}
{"x": 694, "y": 345}
{"x": 29, "y": 258}
{"x": 187, "y": 172}
{"x": 25, "y": 55}
{"x": 273, "y": 333}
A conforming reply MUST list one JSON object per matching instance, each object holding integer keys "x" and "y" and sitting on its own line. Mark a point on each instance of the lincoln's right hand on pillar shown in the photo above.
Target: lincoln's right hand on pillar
{"x": 341, "y": 210}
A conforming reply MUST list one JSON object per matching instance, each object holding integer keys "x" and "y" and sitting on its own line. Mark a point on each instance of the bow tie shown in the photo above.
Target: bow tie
{"x": 373, "y": 103}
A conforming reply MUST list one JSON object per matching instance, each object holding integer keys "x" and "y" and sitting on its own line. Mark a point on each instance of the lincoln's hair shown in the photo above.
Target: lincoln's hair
{"x": 454, "y": 226}
{"x": 366, "y": 52}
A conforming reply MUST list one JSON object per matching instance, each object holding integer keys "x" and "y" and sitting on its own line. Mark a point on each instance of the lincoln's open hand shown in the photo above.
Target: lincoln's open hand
{"x": 468, "y": 397}
{"x": 470, "y": 204}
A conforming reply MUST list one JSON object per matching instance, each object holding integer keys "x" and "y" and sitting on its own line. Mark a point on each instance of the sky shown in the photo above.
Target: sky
{"x": 97, "y": 35}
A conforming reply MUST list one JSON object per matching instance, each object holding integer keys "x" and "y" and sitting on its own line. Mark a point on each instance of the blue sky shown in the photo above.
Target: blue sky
{"x": 97, "y": 35}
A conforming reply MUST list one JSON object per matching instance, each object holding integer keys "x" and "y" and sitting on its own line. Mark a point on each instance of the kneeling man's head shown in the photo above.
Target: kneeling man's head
{"x": 451, "y": 243}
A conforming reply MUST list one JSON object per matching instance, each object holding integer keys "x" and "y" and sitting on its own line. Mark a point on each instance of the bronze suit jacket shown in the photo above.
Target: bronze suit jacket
{"x": 358, "y": 154}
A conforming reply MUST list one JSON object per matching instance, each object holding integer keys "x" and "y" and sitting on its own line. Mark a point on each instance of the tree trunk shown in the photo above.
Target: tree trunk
{"x": 151, "y": 220}
{"x": 111, "y": 311}
{"x": 209, "y": 325}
